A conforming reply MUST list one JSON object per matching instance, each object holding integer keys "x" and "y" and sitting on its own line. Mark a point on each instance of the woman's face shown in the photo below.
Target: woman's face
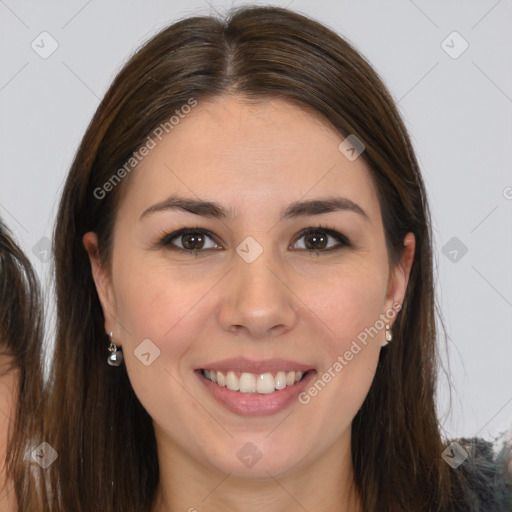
{"x": 8, "y": 397}
{"x": 255, "y": 301}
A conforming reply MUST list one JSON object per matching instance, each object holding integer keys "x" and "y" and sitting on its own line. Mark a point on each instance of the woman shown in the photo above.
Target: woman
{"x": 20, "y": 379}
{"x": 244, "y": 286}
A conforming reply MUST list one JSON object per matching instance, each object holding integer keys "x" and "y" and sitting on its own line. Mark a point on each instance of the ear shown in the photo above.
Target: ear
{"x": 400, "y": 275}
{"x": 102, "y": 281}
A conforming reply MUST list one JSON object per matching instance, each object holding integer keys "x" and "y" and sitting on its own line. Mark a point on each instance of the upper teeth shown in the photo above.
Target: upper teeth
{"x": 264, "y": 383}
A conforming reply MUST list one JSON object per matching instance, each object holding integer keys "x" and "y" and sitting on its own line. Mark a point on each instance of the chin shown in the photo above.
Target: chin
{"x": 256, "y": 458}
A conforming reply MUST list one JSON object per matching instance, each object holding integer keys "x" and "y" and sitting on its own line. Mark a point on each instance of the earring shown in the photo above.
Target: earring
{"x": 389, "y": 336}
{"x": 115, "y": 357}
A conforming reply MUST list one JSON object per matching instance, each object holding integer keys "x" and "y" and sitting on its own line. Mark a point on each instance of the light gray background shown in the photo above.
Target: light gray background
{"x": 458, "y": 111}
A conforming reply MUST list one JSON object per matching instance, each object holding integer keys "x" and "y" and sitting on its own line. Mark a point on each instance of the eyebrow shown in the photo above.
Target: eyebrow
{"x": 293, "y": 210}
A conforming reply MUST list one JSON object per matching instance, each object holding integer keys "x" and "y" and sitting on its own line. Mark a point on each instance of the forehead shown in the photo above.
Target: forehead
{"x": 246, "y": 153}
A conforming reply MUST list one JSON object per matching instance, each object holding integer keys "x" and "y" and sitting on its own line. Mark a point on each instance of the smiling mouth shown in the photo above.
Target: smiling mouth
{"x": 263, "y": 383}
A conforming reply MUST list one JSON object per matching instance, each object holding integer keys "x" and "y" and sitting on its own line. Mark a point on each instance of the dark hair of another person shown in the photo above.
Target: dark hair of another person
{"x": 257, "y": 53}
{"x": 21, "y": 337}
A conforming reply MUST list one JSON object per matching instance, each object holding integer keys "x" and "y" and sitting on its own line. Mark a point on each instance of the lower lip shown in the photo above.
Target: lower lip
{"x": 255, "y": 404}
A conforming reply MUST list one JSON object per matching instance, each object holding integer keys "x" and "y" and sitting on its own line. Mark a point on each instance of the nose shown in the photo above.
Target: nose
{"x": 257, "y": 301}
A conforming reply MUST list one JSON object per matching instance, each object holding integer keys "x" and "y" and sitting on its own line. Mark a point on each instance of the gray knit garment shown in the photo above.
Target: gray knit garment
{"x": 487, "y": 477}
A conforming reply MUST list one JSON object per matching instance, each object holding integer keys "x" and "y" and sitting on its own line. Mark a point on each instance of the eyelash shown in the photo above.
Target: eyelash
{"x": 165, "y": 241}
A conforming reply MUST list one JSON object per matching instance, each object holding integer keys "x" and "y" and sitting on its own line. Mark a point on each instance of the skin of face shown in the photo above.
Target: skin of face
{"x": 8, "y": 382}
{"x": 254, "y": 158}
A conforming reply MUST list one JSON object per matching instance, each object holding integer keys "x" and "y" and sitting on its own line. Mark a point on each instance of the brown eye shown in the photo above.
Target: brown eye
{"x": 191, "y": 240}
{"x": 315, "y": 240}
{"x": 318, "y": 239}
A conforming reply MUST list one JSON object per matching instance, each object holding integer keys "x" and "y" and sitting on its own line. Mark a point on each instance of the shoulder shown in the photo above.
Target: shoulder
{"x": 487, "y": 474}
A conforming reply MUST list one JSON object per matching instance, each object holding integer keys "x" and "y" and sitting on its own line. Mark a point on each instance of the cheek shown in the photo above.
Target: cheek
{"x": 162, "y": 318}
{"x": 151, "y": 305}
{"x": 351, "y": 341}
{"x": 153, "y": 311}
{"x": 348, "y": 304}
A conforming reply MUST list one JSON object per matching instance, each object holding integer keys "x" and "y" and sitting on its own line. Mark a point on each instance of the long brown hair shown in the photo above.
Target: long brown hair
{"x": 257, "y": 52}
{"x": 21, "y": 338}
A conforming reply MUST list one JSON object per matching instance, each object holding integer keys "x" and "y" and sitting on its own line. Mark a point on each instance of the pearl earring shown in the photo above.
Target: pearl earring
{"x": 115, "y": 358}
{"x": 389, "y": 336}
